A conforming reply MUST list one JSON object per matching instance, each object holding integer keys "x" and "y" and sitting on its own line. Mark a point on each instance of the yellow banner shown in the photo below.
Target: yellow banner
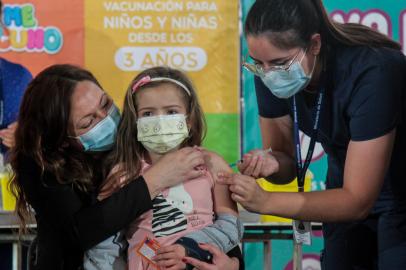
{"x": 199, "y": 37}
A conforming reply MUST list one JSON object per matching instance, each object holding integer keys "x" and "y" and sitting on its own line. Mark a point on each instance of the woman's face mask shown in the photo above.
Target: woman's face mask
{"x": 162, "y": 133}
{"x": 286, "y": 83}
{"x": 102, "y": 136}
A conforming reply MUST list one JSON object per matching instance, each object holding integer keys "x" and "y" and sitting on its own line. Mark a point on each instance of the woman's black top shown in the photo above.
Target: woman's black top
{"x": 70, "y": 221}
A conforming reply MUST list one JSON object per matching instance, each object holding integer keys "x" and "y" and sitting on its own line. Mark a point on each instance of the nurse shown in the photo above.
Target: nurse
{"x": 344, "y": 86}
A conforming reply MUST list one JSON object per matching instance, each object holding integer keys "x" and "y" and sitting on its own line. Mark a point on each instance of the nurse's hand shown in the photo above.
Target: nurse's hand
{"x": 174, "y": 168}
{"x": 220, "y": 260}
{"x": 258, "y": 163}
{"x": 245, "y": 190}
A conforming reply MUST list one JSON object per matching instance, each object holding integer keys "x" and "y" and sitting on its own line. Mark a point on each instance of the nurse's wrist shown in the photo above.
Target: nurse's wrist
{"x": 274, "y": 173}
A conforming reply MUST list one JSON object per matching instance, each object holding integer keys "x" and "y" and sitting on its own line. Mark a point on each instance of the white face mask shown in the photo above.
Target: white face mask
{"x": 162, "y": 133}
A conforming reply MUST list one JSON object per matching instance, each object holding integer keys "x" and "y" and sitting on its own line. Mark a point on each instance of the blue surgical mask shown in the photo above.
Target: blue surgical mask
{"x": 103, "y": 135}
{"x": 286, "y": 83}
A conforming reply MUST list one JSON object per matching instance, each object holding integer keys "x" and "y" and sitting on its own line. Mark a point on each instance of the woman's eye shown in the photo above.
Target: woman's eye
{"x": 147, "y": 114}
{"x": 86, "y": 125}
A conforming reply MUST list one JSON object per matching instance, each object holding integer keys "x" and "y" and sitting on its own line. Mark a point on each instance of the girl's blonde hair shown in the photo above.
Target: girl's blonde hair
{"x": 128, "y": 152}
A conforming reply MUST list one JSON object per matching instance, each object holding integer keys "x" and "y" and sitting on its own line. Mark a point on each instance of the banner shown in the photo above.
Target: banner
{"x": 117, "y": 39}
{"x": 199, "y": 37}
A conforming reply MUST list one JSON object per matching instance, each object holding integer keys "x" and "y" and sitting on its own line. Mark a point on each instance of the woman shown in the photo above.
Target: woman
{"x": 66, "y": 124}
{"x": 343, "y": 85}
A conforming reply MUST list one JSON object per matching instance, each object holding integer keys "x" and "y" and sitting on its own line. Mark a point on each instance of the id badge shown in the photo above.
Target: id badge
{"x": 302, "y": 232}
{"x": 148, "y": 249}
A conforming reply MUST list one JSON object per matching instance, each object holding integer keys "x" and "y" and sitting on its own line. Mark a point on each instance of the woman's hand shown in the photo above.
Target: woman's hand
{"x": 7, "y": 135}
{"x": 174, "y": 168}
{"x": 245, "y": 190}
{"x": 170, "y": 257}
{"x": 220, "y": 260}
{"x": 258, "y": 163}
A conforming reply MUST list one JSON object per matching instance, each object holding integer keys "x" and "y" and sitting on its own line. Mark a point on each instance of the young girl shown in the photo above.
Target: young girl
{"x": 161, "y": 113}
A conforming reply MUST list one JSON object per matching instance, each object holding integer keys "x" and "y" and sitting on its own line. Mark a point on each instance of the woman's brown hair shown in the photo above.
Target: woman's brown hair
{"x": 128, "y": 152}
{"x": 42, "y": 134}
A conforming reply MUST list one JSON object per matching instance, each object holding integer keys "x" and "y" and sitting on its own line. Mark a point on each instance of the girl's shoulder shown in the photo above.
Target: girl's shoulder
{"x": 213, "y": 157}
{"x": 215, "y": 163}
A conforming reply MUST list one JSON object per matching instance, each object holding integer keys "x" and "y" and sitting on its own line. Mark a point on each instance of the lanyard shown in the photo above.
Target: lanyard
{"x": 302, "y": 168}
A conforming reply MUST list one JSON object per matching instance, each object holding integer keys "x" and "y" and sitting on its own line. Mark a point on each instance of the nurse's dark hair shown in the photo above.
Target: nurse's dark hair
{"x": 291, "y": 23}
{"x": 42, "y": 138}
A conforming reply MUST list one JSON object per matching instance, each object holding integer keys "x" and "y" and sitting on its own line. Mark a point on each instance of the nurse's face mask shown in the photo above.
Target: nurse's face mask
{"x": 286, "y": 80}
{"x": 102, "y": 136}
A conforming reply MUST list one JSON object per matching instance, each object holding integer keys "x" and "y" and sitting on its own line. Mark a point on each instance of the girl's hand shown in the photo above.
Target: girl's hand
{"x": 258, "y": 163}
{"x": 174, "y": 168}
{"x": 245, "y": 190}
{"x": 220, "y": 260}
{"x": 170, "y": 257}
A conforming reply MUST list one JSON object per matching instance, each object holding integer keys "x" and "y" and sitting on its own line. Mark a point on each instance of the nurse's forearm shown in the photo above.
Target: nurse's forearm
{"x": 323, "y": 206}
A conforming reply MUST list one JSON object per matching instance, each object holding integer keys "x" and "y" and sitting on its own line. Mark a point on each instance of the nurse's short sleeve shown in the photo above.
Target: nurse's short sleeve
{"x": 269, "y": 106}
{"x": 377, "y": 100}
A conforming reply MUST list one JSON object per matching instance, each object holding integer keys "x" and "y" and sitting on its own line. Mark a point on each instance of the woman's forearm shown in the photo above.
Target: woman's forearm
{"x": 153, "y": 183}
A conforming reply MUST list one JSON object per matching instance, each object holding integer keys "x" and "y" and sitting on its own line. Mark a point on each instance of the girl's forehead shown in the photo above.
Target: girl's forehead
{"x": 161, "y": 95}
{"x": 162, "y": 90}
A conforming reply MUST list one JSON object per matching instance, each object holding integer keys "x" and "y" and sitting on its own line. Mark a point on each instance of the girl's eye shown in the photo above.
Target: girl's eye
{"x": 172, "y": 112}
{"x": 147, "y": 114}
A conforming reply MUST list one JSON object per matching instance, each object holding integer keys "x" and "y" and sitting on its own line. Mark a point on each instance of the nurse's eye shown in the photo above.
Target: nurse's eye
{"x": 281, "y": 63}
{"x": 258, "y": 63}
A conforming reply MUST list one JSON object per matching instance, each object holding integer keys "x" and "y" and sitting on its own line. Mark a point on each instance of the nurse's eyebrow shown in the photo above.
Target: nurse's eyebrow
{"x": 271, "y": 61}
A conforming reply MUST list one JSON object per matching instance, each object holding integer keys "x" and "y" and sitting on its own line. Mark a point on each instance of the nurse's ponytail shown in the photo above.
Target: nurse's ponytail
{"x": 291, "y": 23}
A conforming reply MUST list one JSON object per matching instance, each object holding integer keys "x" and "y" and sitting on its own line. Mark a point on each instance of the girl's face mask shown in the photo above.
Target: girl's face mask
{"x": 162, "y": 133}
{"x": 286, "y": 83}
{"x": 102, "y": 136}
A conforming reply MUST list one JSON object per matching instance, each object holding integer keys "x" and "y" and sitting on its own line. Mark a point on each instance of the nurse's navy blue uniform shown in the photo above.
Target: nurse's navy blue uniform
{"x": 365, "y": 98}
